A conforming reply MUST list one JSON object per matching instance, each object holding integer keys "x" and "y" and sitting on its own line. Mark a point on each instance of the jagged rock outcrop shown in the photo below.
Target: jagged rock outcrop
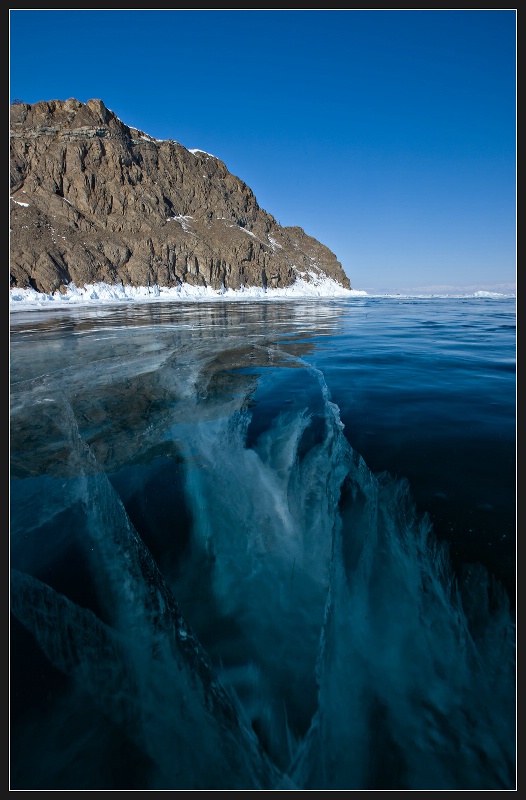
{"x": 95, "y": 200}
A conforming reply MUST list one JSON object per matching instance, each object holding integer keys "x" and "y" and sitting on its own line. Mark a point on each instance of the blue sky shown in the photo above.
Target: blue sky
{"x": 390, "y": 136}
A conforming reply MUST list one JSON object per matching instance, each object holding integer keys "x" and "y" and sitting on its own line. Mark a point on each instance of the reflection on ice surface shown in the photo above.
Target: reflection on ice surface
{"x": 216, "y": 592}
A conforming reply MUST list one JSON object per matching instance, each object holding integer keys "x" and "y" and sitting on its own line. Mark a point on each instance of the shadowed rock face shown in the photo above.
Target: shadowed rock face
{"x": 94, "y": 200}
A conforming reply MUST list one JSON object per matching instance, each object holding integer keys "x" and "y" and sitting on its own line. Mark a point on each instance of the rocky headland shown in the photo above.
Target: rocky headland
{"x": 93, "y": 200}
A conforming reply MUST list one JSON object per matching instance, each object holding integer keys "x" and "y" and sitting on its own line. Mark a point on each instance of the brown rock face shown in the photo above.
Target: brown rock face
{"x": 94, "y": 200}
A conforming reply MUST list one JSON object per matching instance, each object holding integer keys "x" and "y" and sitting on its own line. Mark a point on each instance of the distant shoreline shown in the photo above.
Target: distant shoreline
{"x": 104, "y": 294}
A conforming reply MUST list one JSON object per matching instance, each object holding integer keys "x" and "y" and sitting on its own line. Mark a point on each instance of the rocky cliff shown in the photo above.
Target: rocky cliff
{"x": 95, "y": 200}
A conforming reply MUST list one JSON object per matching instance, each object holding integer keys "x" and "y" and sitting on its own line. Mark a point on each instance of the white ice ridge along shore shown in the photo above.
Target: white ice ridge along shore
{"x": 102, "y": 293}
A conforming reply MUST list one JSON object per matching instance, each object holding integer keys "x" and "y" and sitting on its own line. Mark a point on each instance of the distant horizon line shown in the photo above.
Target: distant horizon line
{"x": 505, "y": 288}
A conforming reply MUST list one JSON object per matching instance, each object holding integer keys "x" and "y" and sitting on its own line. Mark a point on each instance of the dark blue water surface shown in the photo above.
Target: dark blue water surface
{"x": 264, "y": 545}
{"x": 426, "y": 389}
